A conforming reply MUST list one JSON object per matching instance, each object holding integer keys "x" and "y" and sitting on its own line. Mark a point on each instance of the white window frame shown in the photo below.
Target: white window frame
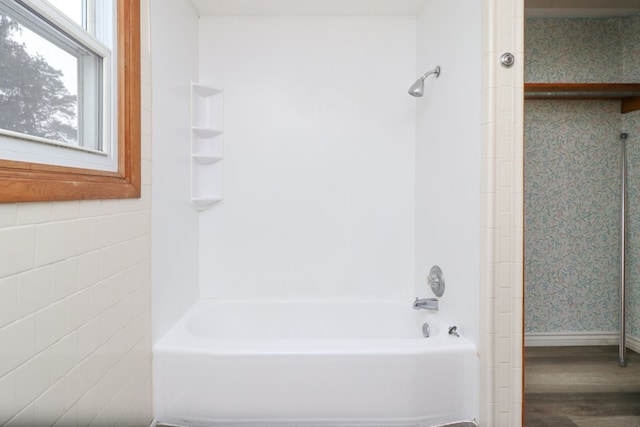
{"x": 59, "y": 29}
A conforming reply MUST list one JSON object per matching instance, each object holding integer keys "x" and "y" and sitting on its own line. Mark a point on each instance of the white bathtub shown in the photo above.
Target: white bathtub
{"x": 312, "y": 363}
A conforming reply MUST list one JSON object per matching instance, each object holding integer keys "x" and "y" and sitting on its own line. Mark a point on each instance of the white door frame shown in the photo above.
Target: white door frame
{"x": 501, "y": 282}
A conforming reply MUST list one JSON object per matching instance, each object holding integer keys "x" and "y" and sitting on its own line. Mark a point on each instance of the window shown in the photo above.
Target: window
{"x": 70, "y": 116}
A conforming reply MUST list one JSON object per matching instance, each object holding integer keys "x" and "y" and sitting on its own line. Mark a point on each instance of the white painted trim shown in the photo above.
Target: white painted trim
{"x": 548, "y": 339}
{"x": 94, "y": 58}
{"x": 502, "y": 219}
{"x": 633, "y": 343}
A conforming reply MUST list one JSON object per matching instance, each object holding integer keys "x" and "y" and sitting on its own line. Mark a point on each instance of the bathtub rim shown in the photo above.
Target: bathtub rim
{"x": 332, "y": 422}
{"x": 179, "y": 339}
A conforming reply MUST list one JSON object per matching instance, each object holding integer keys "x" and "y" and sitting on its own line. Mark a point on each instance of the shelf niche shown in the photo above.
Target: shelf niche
{"x": 627, "y": 93}
{"x": 207, "y": 146}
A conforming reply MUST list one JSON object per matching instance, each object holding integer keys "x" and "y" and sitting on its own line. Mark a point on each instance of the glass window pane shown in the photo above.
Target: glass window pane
{"x": 38, "y": 85}
{"x": 72, "y": 8}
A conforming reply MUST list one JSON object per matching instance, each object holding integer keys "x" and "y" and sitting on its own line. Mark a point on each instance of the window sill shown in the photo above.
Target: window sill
{"x": 31, "y": 182}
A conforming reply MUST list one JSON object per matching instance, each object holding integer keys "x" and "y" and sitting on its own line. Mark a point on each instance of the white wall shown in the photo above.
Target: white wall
{"x": 174, "y": 36}
{"x": 448, "y": 157}
{"x": 75, "y": 330}
{"x": 319, "y": 157}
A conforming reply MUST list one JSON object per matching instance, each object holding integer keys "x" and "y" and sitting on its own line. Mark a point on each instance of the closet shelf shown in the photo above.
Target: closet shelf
{"x": 627, "y": 93}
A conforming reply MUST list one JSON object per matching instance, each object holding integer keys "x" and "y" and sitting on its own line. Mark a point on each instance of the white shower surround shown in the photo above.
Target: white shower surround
{"x": 500, "y": 334}
{"x": 319, "y": 157}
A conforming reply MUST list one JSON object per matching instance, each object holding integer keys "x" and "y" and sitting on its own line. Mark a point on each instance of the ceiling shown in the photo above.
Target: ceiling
{"x": 309, "y": 7}
{"x": 533, "y": 8}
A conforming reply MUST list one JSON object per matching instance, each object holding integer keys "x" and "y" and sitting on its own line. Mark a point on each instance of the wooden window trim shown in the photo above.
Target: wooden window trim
{"x": 31, "y": 182}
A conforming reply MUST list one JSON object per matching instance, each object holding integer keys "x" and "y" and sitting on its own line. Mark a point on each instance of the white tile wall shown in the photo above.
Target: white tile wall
{"x": 75, "y": 345}
{"x": 502, "y": 211}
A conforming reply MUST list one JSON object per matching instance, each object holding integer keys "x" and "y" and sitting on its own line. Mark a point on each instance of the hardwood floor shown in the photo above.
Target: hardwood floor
{"x": 581, "y": 386}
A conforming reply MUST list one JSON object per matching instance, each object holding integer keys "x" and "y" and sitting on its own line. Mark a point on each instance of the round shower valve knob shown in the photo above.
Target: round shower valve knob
{"x": 435, "y": 279}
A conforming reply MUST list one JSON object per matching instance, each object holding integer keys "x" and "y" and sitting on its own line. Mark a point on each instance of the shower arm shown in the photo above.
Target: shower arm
{"x": 435, "y": 71}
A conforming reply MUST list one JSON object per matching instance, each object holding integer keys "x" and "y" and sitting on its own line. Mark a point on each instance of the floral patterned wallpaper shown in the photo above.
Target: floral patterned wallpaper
{"x": 572, "y": 179}
{"x": 572, "y": 216}
{"x": 631, "y": 49}
{"x": 573, "y": 50}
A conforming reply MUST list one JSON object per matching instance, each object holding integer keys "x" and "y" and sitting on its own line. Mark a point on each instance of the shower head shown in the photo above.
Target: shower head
{"x": 417, "y": 89}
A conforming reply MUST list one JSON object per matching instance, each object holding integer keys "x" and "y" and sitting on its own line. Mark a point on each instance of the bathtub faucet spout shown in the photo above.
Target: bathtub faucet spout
{"x": 426, "y": 304}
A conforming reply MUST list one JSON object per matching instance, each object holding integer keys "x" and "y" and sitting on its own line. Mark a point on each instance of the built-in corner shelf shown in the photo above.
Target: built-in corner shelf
{"x": 205, "y": 91}
{"x": 205, "y": 159}
{"x": 205, "y": 202}
{"x": 205, "y": 132}
{"x": 207, "y": 146}
{"x": 627, "y": 93}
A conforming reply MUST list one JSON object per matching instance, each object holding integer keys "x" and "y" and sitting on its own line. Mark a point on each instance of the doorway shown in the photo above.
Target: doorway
{"x": 573, "y": 216}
